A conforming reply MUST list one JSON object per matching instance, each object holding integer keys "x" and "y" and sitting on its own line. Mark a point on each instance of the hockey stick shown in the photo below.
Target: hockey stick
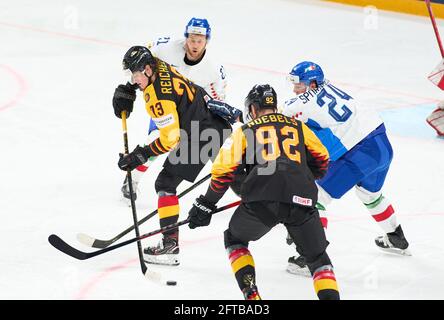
{"x": 133, "y": 204}
{"x": 100, "y": 244}
{"x": 435, "y": 28}
{"x": 62, "y": 246}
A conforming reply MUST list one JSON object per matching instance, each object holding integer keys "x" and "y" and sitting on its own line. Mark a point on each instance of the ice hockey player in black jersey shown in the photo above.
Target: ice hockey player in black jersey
{"x": 176, "y": 105}
{"x": 282, "y": 158}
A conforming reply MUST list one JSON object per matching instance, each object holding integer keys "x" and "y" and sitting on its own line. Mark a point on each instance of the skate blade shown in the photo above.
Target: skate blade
{"x": 164, "y": 259}
{"x": 399, "y": 252}
{"x": 293, "y": 269}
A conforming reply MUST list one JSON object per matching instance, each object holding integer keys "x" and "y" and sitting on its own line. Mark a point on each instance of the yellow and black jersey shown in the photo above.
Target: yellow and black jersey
{"x": 282, "y": 157}
{"x": 173, "y": 102}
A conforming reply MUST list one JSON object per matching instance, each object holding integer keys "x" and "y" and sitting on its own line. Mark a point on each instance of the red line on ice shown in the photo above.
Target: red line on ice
{"x": 62, "y": 34}
{"x": 23, "y": 87}
{"x": 94, "y": 281}
{"x": 86, "y": 289}
{"x": 119, "y": 44}
{"x": 100, "y": 277}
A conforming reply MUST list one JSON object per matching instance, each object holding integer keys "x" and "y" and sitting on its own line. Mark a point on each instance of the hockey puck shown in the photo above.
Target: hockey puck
{"x": 171, "y": 283}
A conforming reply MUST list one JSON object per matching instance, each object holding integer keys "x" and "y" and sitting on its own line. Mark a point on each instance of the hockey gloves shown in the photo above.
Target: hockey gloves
{"x": 123, "y": 99}
{"x": 224, "y": 110}
{"x": 200, "y": 213}
{"x": 134, "y": 159}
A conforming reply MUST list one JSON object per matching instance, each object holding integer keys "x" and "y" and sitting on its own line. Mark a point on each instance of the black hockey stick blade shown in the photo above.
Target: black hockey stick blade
{"x": 61, "y": 245}
{"x": 101, "y": 244}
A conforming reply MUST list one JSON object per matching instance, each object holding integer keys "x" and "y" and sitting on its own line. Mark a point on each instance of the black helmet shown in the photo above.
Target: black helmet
{"x": 136, "y": 58}
{"x": 262, "y": 96}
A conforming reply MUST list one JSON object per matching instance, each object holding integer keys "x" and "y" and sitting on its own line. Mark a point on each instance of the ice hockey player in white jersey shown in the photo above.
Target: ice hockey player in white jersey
{"x": 360, "y": 152}
{"x": 189, "y": 55}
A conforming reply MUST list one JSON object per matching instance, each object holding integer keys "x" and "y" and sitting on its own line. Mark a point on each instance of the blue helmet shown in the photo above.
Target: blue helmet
{"x": 307, "y": 72}
{"x": 198, "y": 26}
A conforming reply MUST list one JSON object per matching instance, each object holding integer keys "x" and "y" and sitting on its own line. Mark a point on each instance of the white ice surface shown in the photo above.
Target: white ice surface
{"x": 59, "y": 64}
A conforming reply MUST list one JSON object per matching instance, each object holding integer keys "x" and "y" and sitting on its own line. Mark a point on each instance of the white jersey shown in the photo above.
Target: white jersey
{"x": 333, "y": 116}
{"x": 207, "y": 74}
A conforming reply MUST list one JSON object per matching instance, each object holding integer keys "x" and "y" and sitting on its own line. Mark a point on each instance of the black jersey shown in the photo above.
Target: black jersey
{"x": 179, "y": 110}
{"x": 282, "y": 157}
{"x": 174, "y": 102}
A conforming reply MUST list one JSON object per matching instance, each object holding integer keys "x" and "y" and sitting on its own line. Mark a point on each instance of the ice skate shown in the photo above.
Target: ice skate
{"x": 297, "y": 265}
{"x": 394, "y": 242}
{"x": 125, "y": 191}
{"x": 165, "y": 253}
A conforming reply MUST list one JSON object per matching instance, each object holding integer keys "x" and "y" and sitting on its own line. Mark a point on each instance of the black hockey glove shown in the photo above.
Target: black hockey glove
{"x": 200, "y": 213}
{"x": 123, "y": 99}
{"x": 224, "y": 110}
{"x": 134, "y": 159}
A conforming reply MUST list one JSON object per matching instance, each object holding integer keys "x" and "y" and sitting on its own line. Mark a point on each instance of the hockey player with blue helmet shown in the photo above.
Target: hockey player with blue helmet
{"x": 360, "y": 152}
{"x": 198, "y": 26}
{"x": 307, "y": 73}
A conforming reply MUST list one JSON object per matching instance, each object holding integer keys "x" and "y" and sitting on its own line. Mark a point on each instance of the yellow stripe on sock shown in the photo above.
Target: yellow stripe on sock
{"x": 325, "y": 284}
{"x": 169, "y": 211}
{"x": 241, "y": 262}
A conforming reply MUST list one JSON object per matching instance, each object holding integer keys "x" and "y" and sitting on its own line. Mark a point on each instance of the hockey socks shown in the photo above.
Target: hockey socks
{"x": 168, "y": 210}
{"x": 379, "y": 207}
{"x": 167, "y": 250}
{"x": 383, "y": 213}
{"x": 322, "y": 215}
{"x": 325, "y": 285}
{"x": 297, "y": 264}
{"x": 242, "y": 264}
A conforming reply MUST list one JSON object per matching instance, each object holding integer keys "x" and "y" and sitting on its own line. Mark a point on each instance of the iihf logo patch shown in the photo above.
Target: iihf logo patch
{"x": 147, "y": 97}
{"x": 303, "y": 201}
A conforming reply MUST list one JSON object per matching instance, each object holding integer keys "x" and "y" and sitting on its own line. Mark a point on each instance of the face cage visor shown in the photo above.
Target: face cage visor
{"x": 293, "y": 79}
{"x": 196, "y": 30}
{"x": 132, "y": 76}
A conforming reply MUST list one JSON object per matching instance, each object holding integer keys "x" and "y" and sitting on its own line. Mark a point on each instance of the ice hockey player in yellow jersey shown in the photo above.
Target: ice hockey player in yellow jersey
{"x": 177, "y": 106}
{"x": 282, "y": 158}
{"x": 191, "y": 57}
